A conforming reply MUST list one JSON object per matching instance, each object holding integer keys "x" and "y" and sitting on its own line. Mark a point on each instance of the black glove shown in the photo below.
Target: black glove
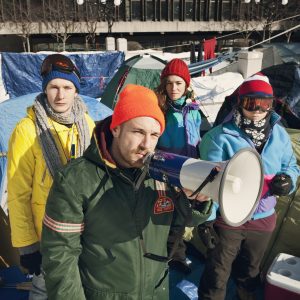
{"x": 208, "y": 234}
{"x": 281, "y": 185}
{"x": 32, "y": 262}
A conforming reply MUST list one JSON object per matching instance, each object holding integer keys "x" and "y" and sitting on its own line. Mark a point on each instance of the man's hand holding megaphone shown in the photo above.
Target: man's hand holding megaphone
{"x": 223, "y": 181}
{"x": 198, "y": 197}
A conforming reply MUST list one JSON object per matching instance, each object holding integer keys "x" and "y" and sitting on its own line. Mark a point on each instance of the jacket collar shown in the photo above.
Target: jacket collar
{"x": 98, "y": 152}
{"x": 103, "y": 138}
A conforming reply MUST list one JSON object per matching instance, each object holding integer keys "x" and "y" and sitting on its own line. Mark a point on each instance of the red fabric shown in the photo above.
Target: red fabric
{"x": 177, "y": 67}
{"x": 137, "y": 101}
{"x": 209, "y": 50}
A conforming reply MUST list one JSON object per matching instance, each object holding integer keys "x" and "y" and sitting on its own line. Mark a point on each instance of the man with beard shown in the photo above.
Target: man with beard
{"x": 107, "y": 223}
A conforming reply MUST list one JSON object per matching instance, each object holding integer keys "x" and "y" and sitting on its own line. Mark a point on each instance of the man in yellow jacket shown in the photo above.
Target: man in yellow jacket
{"x": 56, "y": 130}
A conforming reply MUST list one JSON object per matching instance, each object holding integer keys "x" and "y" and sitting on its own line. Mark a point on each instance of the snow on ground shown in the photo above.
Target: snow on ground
{"x": 212, "y": 90}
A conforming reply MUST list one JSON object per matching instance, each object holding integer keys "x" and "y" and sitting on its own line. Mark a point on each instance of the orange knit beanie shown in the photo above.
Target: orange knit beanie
{"x": 137, "y": 101}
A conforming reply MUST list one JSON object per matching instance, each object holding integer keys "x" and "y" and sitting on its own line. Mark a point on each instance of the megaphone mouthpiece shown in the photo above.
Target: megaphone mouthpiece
{"x": 235, "y": 182}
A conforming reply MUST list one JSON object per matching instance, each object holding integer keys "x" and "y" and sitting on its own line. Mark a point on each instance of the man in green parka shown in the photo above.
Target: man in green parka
{"x": 106, "y": 223}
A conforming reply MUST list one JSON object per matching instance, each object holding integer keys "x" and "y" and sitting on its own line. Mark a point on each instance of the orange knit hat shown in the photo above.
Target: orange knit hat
{"x": 137, "y": 101}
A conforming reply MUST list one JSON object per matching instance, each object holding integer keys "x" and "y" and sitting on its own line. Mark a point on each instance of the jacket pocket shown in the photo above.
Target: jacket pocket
{"x": 91, "y": 258}
{"x": 161, "y": 290}
{"x": 42, "y": 182}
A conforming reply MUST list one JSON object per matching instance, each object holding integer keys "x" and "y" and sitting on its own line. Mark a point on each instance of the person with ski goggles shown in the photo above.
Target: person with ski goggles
{"x": 240, "y": 250}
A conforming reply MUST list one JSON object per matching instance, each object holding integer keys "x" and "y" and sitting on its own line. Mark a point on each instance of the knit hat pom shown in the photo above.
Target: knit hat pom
{"x": 177, "y": 67}
{"x": 257, "y": 85}
{"x": 137, "y": 101}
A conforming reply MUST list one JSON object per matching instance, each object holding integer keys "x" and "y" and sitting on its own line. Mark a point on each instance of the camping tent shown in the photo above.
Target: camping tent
{"x": 12, "y": 110}
{"x": 141, "y": 69}
{"x": 285, "y": 238}
{"x": 145, "y": 69}
{"x": 285, "y": 80}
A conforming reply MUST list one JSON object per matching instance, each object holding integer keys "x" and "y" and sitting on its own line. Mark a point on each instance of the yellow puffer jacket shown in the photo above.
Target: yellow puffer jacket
{"x": 29, "y": 180}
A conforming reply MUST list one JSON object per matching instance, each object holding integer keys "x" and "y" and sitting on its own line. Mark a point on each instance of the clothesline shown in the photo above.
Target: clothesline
{"x": 233, "y": 33}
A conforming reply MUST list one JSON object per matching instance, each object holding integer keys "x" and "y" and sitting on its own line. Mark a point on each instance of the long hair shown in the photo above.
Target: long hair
{"x": 162, "y": 95}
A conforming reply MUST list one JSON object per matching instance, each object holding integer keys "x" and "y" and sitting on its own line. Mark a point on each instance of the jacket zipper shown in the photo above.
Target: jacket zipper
{"x": 142, "y": 280}
{"x": 142, "y": 268}
{"x": 44, "y": 176}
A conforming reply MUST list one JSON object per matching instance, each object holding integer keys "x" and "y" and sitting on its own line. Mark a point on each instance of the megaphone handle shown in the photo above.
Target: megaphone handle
{"x": 210, "y": 177}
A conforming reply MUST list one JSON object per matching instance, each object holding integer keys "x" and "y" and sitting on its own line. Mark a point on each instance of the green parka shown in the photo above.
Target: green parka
{"x": 96, "y": 217}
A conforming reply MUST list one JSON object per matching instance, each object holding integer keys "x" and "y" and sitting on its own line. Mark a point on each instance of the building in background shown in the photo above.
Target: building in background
{"x": 83, "y": 24}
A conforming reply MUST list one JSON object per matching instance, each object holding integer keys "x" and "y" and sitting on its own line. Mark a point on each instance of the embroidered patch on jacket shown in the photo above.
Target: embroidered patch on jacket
{"x": 163, "y": 204}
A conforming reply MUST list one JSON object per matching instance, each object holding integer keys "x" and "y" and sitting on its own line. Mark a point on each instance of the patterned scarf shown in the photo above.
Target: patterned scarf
{"x": 50, "y": 150}
{"x": 258, "y": 131}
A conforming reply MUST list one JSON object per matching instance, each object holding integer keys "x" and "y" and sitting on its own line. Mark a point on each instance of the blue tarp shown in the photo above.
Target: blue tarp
{"x": 21, "y": 71}
{"x": 12, "y": 276}
{"x": 12, "y": 110}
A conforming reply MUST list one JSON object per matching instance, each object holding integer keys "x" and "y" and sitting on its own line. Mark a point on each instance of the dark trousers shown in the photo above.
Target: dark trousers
{"x": 239, "y": 251}
{"x": 176, "y": 246}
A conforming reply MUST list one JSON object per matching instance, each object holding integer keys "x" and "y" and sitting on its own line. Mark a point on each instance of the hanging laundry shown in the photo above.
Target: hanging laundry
{"x": 209, "y": 50}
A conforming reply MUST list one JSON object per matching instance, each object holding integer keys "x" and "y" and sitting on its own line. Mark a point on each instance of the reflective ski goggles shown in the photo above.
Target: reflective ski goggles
{"x": 254, "y": 104}
{"x": 58, "y": 62}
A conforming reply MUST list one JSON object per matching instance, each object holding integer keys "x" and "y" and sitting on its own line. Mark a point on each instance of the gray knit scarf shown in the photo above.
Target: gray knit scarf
{"x": 50, "y": 149}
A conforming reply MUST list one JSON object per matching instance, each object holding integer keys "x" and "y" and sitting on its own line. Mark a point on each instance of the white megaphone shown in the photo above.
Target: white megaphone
{"x": 235, "y": 184}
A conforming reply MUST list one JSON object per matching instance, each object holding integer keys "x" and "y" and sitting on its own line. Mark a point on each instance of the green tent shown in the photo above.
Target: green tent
{"x": 141, "y": 69}
{"x": 285, "y": 238}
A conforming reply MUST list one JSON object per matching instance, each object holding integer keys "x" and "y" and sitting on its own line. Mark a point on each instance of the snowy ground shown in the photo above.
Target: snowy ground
{"x": 212, "y": 90}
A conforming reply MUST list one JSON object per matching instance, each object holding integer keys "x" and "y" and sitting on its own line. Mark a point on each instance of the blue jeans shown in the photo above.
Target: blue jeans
{"x": 38, "y": 291}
